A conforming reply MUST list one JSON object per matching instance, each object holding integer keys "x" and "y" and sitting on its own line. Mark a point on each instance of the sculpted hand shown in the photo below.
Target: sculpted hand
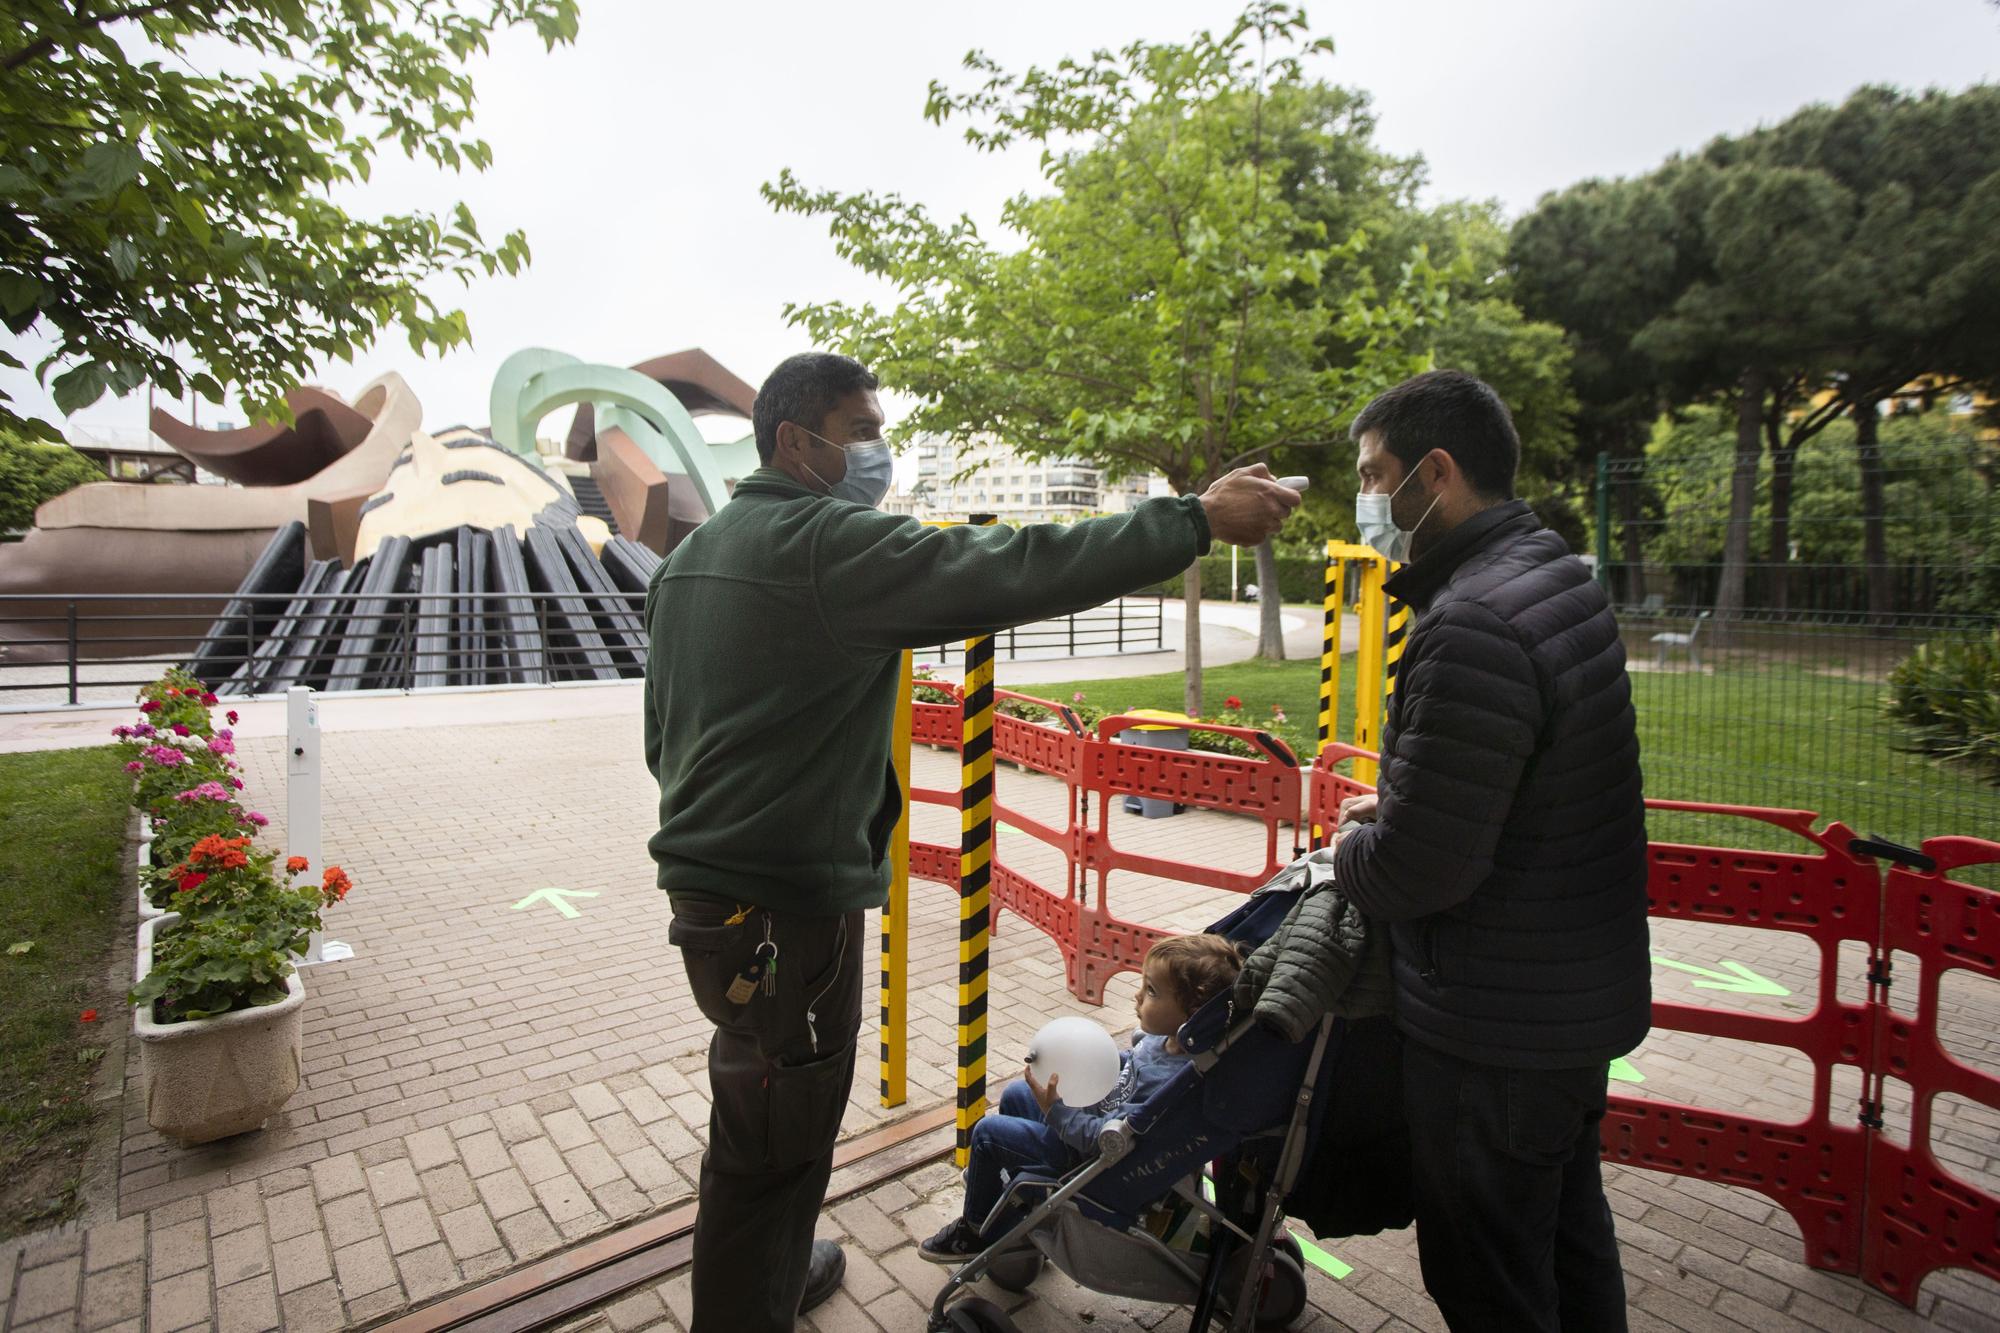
{"x": 1247, "y": 506}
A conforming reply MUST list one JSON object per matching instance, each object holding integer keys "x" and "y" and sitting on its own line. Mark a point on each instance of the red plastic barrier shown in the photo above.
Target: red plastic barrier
{"x": 1920, "y": 1217}
{"x": 1814, "y": 1168}
{"x": 1865, "y": 1203}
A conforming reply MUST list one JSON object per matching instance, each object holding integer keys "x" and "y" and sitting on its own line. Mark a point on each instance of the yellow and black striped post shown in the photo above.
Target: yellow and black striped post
{"x": 1329, "y": 647}
{"x": 1368, "y": 667}
{"x": 895, "y": 984}
{"x": 1392, "y": 655}
{"x": 975, "y": 869}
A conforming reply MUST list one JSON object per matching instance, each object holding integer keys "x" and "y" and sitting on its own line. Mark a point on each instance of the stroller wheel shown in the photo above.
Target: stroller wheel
{"x": 1016, "y": 1271}
{"x": 1283, "y": 1295}
{"x": 976, "y": 1314}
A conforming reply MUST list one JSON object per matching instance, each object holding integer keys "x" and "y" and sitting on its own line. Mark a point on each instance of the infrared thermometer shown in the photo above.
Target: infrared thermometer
{"x": 1296, "y": 483}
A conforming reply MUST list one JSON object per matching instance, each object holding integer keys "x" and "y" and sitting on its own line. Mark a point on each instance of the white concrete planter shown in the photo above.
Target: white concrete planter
{"x": 214, "y": 1077}
{"x": 145, "y": 859}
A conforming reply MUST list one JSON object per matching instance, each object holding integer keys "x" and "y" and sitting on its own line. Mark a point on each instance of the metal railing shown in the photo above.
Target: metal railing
{"x": 61, "y": 649}
{"x": 1128, "y": 625}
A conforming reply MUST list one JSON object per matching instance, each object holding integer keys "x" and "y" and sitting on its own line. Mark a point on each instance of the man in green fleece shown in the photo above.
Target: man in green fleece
{"x": 776, "y": 631}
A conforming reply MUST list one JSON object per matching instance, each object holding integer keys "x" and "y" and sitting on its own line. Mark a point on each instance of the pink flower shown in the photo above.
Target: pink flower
{"x": 236, "y": 783}
{"x": 222, "y": 745}
{"x": 166, "y": 756}
{"x": 207, "y": 791}
{"x": 259, "y": 820}
{"x": 1076, "y": 698}
{"x": 226, "y": 734}
{"x": 135, "y": 767}
{"x": 144, "y": 729}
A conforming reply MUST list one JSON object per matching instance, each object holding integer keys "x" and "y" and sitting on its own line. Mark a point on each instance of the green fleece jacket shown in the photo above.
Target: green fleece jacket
{"x": 771, "y": 680}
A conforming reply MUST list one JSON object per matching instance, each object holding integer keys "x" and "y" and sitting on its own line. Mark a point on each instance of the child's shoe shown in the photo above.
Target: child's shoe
{"x": 957, "y": 1242}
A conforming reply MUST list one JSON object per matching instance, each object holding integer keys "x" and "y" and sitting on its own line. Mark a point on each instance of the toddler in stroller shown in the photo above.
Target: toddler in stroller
{"x": 1038, "y": 1133}
{"x": 1245, "y": 1101}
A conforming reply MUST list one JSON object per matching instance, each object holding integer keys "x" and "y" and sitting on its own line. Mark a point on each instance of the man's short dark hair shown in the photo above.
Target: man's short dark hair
{"x": 803, "y": 390}
{"x": 1452, "y": 411}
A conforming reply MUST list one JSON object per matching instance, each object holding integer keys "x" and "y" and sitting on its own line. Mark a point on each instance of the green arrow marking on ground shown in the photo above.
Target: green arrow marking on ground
{"x": 558, "y": 897}
{"x": 1739, "y": 980}
{"x": 1624, "y": 1071}
{"x": 1320, "y": 1259}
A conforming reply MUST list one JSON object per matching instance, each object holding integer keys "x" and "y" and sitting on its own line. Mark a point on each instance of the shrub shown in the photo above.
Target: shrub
{"x": 1948, "y": 694}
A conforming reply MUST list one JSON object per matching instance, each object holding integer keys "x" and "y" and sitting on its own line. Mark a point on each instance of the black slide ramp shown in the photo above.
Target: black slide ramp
{"x": 630, "y": 566}
{"x": 436, "y": 576}
{"x": 247, "y": 617}
{"x": 523, "y": 657}
{"x": 366, "y": 635}
{"x": 256, "y": 673}
{"x": 613, "y": 613}
{"x": 575, "y": 645}
{"x": 306, "y": 659}
{"x": 477, "y": 641}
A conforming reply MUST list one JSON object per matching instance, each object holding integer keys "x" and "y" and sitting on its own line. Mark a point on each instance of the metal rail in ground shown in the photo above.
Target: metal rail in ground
{"x": 553, "y": 1289}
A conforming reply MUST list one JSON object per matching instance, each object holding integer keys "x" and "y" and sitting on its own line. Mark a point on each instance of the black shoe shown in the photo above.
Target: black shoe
{"x": 956, "y": 1243}
{"x": 823, "y": 1274}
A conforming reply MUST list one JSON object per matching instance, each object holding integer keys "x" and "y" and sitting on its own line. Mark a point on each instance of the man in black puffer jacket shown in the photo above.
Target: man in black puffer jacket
{"x": 1506, "y": 848}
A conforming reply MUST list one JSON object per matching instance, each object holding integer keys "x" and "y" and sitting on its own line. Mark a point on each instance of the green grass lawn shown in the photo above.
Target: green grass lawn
{"x": 62, "y": 838}
{"x": 1776, "y": 734}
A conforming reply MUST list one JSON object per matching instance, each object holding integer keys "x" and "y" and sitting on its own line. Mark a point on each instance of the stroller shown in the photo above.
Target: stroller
{"x": 1249, "y": 1103}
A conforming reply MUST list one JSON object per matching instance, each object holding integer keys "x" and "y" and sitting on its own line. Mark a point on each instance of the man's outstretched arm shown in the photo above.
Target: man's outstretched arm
{"x": 886, "y": 582}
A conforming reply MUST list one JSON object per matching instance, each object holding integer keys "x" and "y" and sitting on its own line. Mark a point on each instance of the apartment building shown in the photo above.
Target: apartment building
{"x": 989, "y": 478}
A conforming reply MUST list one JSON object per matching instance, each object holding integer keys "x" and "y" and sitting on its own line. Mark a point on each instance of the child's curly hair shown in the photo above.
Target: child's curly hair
{"x": 1198, "y": 967}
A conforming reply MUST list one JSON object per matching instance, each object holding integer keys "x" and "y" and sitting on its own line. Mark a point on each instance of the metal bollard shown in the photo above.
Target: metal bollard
{"x": 302, "y": 804}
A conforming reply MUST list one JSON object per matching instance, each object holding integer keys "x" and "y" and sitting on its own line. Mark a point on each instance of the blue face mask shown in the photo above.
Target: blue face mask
{"x": 870, "y": 468}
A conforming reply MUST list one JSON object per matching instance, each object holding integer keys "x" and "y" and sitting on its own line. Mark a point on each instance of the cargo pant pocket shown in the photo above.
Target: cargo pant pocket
{"x": 804, "y": 1107}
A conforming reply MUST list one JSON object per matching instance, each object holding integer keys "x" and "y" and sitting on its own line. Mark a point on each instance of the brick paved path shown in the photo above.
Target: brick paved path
{"x": 485, "y": 1085}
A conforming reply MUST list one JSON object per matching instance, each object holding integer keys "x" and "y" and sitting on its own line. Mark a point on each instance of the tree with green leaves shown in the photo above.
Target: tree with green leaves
{"x": 1150, "y": 318}
{"x": 1820, "y": 268}
{"x": 32, "y": 472}
{"x": 167, "y": 180}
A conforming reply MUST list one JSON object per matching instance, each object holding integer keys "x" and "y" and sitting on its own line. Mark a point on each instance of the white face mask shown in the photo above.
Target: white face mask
{"x": 1374, "y": 516}
{"x": 870, "y": 469}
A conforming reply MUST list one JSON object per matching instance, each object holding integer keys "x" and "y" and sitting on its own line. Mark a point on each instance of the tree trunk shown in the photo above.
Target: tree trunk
{"x": 1742, "y": 503}
{"x": 1783, "y": 460}
{"x": 1270, "y": 603}
{"x": 1874, "y": 542}
{"x": 1191, "y": 600}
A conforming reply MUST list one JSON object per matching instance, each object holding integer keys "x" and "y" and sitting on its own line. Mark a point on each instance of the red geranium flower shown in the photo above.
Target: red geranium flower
{"x": 232, "y": 717}
{"x": 295, "y": 864}
{"x": 150, "y": 706}
{"x": 208, "y": 699}
{"x": 336, "y": 883}
{"x": 192, "y": 881}
{"x": 1232, "y": 702}
{"x": 88, "y": 1015}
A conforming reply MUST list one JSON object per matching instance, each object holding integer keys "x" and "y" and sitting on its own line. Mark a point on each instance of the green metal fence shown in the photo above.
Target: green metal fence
{"x": 1763, "y": 667}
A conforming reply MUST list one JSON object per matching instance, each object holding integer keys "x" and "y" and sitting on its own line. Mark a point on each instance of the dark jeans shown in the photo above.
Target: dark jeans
{"x": 779, "y": 1069}
{"x": 1015, "y": 1140}
{"x": 1512, "y": 1228}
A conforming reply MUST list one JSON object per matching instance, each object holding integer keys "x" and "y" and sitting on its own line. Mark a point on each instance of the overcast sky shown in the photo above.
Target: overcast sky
{"x": 633, "y": 158}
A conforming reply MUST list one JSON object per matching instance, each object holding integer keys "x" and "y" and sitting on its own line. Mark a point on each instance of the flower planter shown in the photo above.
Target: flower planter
{"x": 213, "y": 1077}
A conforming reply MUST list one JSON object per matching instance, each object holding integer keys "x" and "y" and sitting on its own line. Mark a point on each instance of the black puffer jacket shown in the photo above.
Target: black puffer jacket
{"x": 1509, "y": 850}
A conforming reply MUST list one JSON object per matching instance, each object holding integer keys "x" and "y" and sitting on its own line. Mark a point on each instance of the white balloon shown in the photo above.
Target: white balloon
{"x": 1080, "y": 1053}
